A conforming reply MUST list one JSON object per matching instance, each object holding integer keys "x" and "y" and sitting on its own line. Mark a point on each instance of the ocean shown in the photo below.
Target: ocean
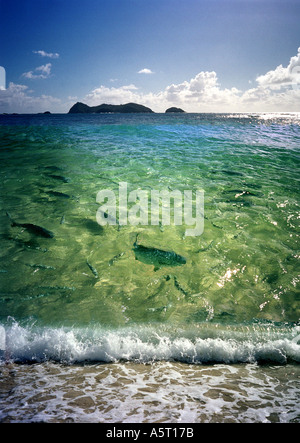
{"x": 145, "y": 319}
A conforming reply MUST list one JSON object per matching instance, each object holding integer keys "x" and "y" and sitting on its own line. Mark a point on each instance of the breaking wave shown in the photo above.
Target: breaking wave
{"x": 200, "y": 344}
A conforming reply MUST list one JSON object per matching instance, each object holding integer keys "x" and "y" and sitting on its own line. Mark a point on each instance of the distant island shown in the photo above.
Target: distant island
{"x": 81, "y": 108}
{"x": 175, "y": 110}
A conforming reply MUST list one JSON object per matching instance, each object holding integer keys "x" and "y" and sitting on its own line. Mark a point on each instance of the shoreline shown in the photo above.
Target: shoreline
{"x": 162, "y": 392}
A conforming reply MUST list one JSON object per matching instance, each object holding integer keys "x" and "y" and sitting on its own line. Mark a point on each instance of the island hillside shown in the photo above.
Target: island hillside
{"x": 175, "y": 110}
{"x": 81, "y": 108}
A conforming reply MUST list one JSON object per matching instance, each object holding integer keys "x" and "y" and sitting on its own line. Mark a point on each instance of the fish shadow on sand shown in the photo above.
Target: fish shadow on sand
{"x": 92, "y": 226}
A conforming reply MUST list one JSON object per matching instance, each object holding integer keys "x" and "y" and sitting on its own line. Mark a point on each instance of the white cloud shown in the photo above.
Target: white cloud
{"x": 201, "y": 94}
{"x": 18, "y": 98}
{"x": 281, "y": 77}
{"x": 114, "y": 96}
{"x": 262, "y": 99}
{"x": 45, "y": 71}
{"x": 276, "y": 91}
{"x": 145, "y": 71}
{"x": 47, "y": 54}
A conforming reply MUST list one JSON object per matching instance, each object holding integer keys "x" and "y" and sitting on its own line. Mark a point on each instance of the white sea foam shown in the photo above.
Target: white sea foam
{"x": 160, "y": 392}
{"x": 2, "y": 338}
{"x": 144, "y": 345}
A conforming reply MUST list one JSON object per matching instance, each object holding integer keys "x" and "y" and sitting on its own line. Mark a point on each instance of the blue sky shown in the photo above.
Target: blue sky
{"x": 205, "y": 55}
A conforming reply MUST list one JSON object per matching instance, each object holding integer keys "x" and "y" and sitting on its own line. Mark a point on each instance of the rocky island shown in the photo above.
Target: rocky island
{"x": 173, "y": 109}
{"x": 81, "y": 108}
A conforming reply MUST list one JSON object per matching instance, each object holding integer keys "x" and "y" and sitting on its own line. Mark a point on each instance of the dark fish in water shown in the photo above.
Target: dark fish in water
{"x": 229, "y": 172}
{"x": 94, "y": 271}
{"x": 239, "y": 193}
{"x": 207, "y": 247}
{"x": 31, "y": 244}
{"x": 35, "y": 266}
{"x": 216, "y": 226}
{"x": 239, "y": 202}
{"x": 179, "y": 287}
{"x": 34, "y": 229}
{"x": 60, "y": 177}
{"x": 115, "y": 258}
{"x": 58, "y": 194}
{"x": 157, "y": 257}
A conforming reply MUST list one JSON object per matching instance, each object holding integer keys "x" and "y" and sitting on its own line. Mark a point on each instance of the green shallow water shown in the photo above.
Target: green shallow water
{"x": 243, "y": 268}
{"x": 117, "y": 334}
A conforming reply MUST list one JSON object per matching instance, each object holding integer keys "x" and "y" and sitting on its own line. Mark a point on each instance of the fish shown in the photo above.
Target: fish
{"x": 238, "y": 201}
{"x": 157, "y": 257}
{"x": 239, "y": 192}
{"x": 94, "y": 271}
{"x": 115, "y": 258}
{"x": 58, "y": 194}
{"x": 207, "y": 247}
{"x": 62, "y": 220}
{"x": 179, "y": 287}
{"x": 31, "y": 244}
{"x": 34, "y": 229}
{"x": 234, "y": 173}
{"x": 60, "y": 177}
{"x": 36, "y": 266}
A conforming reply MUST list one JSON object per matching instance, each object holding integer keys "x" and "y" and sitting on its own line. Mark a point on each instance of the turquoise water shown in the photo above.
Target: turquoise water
{"x": 124, "y": 295}
{"x": 240, "y": 277}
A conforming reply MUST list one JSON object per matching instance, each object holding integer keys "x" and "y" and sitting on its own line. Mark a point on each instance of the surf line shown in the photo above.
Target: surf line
{"x": 152, "y": 207}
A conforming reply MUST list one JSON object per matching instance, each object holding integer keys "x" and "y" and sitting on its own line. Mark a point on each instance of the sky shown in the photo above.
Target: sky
{"x": 200, "y": 55}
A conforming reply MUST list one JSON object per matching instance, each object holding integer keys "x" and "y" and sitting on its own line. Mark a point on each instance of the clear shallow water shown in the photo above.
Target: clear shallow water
{"x": 235, "y": 300}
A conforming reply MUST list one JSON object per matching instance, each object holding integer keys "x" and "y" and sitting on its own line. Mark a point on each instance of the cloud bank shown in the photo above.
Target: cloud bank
{"x": 277, "y": 90}
{"x": 19, "y": 98}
